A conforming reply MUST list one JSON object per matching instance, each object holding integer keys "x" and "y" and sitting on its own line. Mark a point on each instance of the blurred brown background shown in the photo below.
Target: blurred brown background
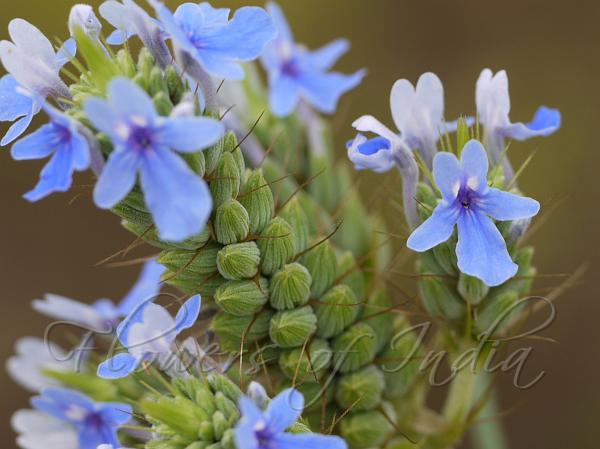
{"x": 551, "y": 51}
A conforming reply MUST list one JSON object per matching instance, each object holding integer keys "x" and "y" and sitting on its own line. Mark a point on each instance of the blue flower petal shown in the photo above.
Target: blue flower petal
{"x": 92, "y": 436}
{"x": 57, "y": 402}
{"x": 475, "y": 165}
{"x": 102, "y": 116}
{"x": 325, "y": 57}
{"x": 481, "y": 250}
{"x": 13, "y": 104}
{"x": 323, "y": 91}
{"x": 284, "y": 410}
{"x": 283, "y": 96}
{"x": 121, "y": 365}
{"x": 546, "y": 121}
{"x": 66, "y": 52}
{"x": 129, "y": 99}
{"x": 56, "y": 176}
{"x": 117, "y": 37}
{"x": 188, "y": 314}
{"x": 308, "y": 441}
{"x": 17, "y": 129}
{"x": 117, "y": 178}
{"x": 281, "y": 24}
{"x": 435, "y": 230}
{"x": 372, "y": 146}
{"x": 116, "y": 413}
{"x": 37, "y": 145}
{"x": 145, "y": 289}
{"x": 508, "y": 206}
{"x": 189, "y": 134}
{"x": 447, "y": 173}
{"x": 179, "y": 200}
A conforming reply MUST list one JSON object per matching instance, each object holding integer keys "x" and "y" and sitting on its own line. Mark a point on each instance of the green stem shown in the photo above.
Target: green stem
{"x": 490, "y": 434}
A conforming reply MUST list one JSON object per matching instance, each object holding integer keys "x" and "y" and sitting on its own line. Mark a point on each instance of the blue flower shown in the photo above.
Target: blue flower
{"x": 96, "y": 423}
{"x": 148, "y": 333}
{"x": 218, "y": 44}
{"x": 371, "y": 154}
{"x": 60, "y": 139}
{"x": 493, "y": 107}
{"x": 33, "y": 68}
{"x": 143, "y": 141}
{"x": 104, "y": 315}
{"x": 296, "y": 73}
{"x": 259, "y": 429}
{"x": 468, "y": 201}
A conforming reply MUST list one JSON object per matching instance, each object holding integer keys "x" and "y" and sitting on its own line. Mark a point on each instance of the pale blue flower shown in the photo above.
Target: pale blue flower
{"x": 258, "y": 429}
{"x": 468, "y": 202}
{"x": 68, "y": 148}
{"x": 84, "y": 18}
{"x": 38, "y": 430}
{"x": 33, "y": 68}
{"x": 148, "y": 334}
{"x": 104, "y": 315}
{"x": 371, "y": 154}
{"x": 493, "y": 107}
{"x": 296, "y": 73}
{"x": 95, "y": 423}
{"x": 143, "y": 141}
{"x": 214, "y": 41}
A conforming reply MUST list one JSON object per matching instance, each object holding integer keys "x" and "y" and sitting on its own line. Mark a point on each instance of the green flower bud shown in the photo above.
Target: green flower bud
{"x": 290, "y": 287}
{"x": 157, "y": 83}
{"x": 354, "y": 348}
{"x": 175, "y": 85}
{"x": 315, "y": 395}
{"x": 133, "y": 215}
{"x": 257, "y": 198}
{"x": 242, "y": 298}
{"x": 296, "y": 217}
{"x": 377, "y": 314}
{"x": 306, "y": 364}
{"x": 238, "y": 156}
{"x": 232, "y": 222}
{"x": 145, "y": 62}
{"x": 226, "y": 182}
{"x": 355, "y": 232}
{"x": 213, "y": 155}
{"x": 141, "y": 81}
{"x": 233, "y": 329}
{"x": 360, "y": 390}
{"x": 498, "y": 312}
{"x": 292, "y": 328}
{"x": 200, "y": 262}
{"x": 220, "y": 424}
{"x": 349, "y": 274}
{"x": 226, "y": 406}
{"x": 239, "y": 261}
{"x": 462, "y": 134}
{"x": 162, "y": 103}
{"x": 471, "y": 289}
{"x": 321, "y": 263}
{"x": 204, "y": 285}
{"x": 125, "y": 63}
{"x": 336, "y": 310}
{"x": 439, "y": 299}
{"x": 178, "y": 413}
{"x": 426, "y": 199}
{"x": 365, "y": 429}
{"x": 276, "y": 245}
{"x": 445, "y": 255}
{"x": 225, "y": 386}
{"x": 196, "y": 162}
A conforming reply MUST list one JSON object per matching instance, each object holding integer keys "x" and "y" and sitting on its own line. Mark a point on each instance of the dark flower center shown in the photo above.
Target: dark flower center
{"x": 141, "y": 138}
{"x": 290, "y": 68}
{"x": 466, "y": 197}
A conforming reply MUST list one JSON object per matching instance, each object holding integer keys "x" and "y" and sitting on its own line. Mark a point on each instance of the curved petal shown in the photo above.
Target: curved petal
{"x": 117, "y": 178}
{"x": 508, "y": 206}
{"x": 280, "y": 22}
{"x": 145, "y": 289}
{"x": 117, "y": 37}
{"x": 219, "y": 66}
{"x": 121, "y": 365}
{"x": 116, "y": 413}
{"x": 283, "y": 95}
{"x": 372, "y": 154}
{"x": 189, "y": 134}
{"x": 435, "y": 230}
{"x": 430, "y": 97}
{"x": 493, "y": 100}
{"x": 66, "y": 309}
{"x": 448, "y": 174}
{"x": 128, "y": 99}
{"x": 284, "y": 410}
{"x": 92, "y": 436}
{"x": 546, "y": 121}
{"x": 13, "y": 104}
{"x": 324, "y": 58}
{"x": 188, "y": 314}
{"x": 67, "y": 51}
{"x": 37, "y": 145}
{"x": 65, "y": 404}
{"x": 323, "y": 91}
{"x": 308, "y": 441}
{"x": 102, "y": 116}
{"x": 179, "y": 200}
{"x": 368, "y": 123}
{"x": 475, "y": 164}
{"x": 56, "y": 176}
{"x": 30, "y": 38}
{"x": 18, "y": 128}
{"x": 402, "y": 100}
{"x": 481, "y": 250}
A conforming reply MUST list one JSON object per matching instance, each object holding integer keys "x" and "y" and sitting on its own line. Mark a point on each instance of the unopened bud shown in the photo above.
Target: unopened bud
{"x": 349, "y": 274}
{"x": 257, "y": 198}
{"x": 232, "y": 223}
{"x": 306, "y": 364}
{"x": 83, "y": 16}
{"x": 365, "y": 429}
{"x": 201, "y": 262}
{"x": 145, "y": 63}
{"x": 360, "y": 390}
{"x": 296, "y": 217}
{"x": 239, "y": 261}
{"x": 242, "y": 298}
{"x": 377, "y": 313}
{"x": 335, "y": 311}
{"x": 162, "y": 103}
{"x": 276, "y": 244}
{"x": 321, "y": 263}
{"x": 354, "y": 348}
{"x": 226, "y": 182}
{"x": 174, "y": 83}
{"x": 290, "y": 287}
{"x": 439, "y": 299}
{"x": 232, "y": 330}
{"x": 292, "y": 328}
{"x": 472, "y": 289}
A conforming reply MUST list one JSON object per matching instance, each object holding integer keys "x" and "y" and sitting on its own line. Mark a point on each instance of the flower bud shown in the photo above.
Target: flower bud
{"x": 238, "y": 156}
{"x": 426, "y": 199}
{"x": 206, "y": 286}
{"x": 349, "y": 274}
{"x": 145, "y": 62}
{"x": 292, "y": 328}
{"x": 126, "y": 63}
{"x": 315, "y": 395}
{"x": 306, "y": 364}
{"x": 175, "y": 85}
{"x": 439, "y": 299}
{"x": 232, "y": 222}
{"x": 354, "y": 348}
{"x": 257, "y": 198}
{"x": 196, "y": 162}
{"x": 276, "y": 245}
{"x": 133, "y": 215}
{"x": 290, "y": 287}
{"x": 141, "y": 81}
{"x": 162, "y": 103}
{"x": 498, "y": 312}
{"x": 471, "y": 289}
{"x": 335, "y": 311}
{"x": 445, "y": 255}
{"x": 321, "y": 263}
{"x": 233, "y": 329}
{"x": 377, "y": 314}
{"x": 242, "y": 298}
{"x": 195, "y": 263}
{"x": 295, "y": 216}
{"x": 157, "y": 83}
{"x": 226, "y": 182}
{"x": 213, "y": 155}
{"x": 365, "y": 429}
{"x": 360, "y": 390}
{"x": 83, "y": 16}
{"x": 238, "y": 261}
